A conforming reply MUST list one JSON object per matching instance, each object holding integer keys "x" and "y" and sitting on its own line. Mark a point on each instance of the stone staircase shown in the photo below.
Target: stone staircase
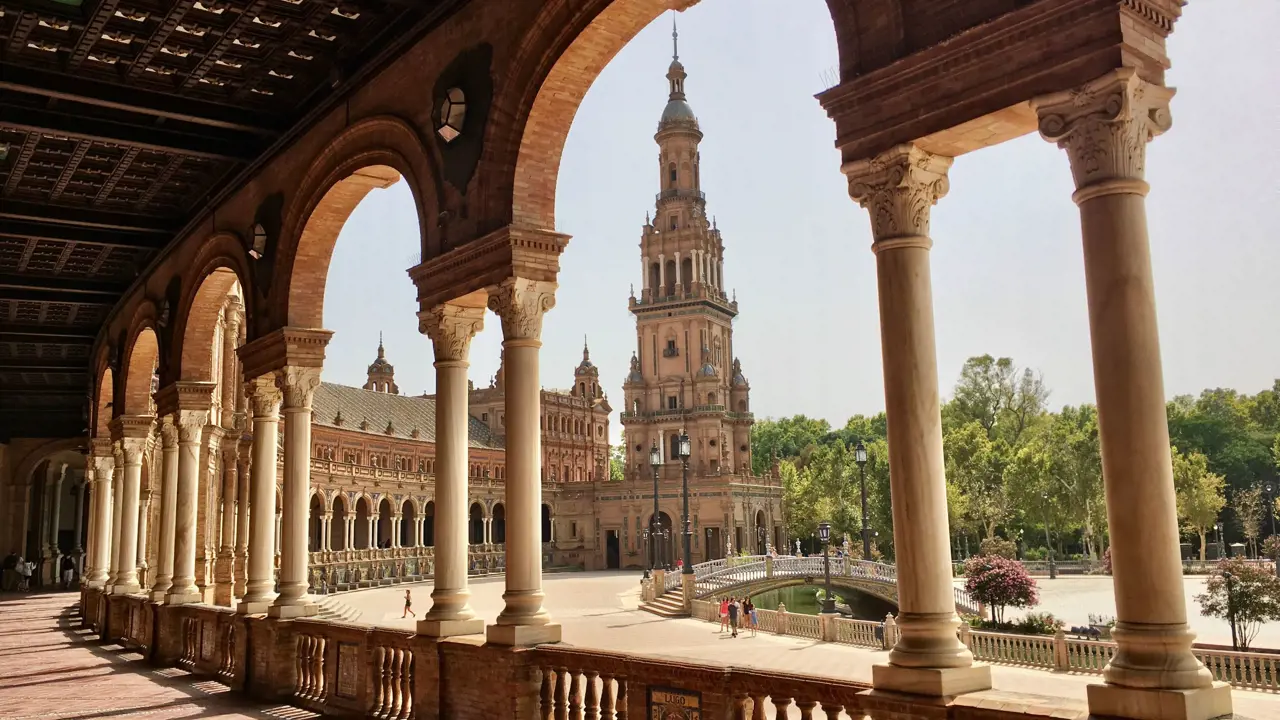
{"x": 333, "y": 610}
{"x": 669, "y": 605}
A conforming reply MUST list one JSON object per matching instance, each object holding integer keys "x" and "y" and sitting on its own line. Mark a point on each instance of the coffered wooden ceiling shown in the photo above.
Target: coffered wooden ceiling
{"x": 120, "y": 121}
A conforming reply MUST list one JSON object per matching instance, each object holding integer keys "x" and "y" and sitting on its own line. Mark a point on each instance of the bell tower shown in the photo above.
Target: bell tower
{"x": 684, "y": 375}
{"x": 382, "y": 374}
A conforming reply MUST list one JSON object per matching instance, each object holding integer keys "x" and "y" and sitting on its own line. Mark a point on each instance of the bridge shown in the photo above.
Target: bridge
{"x": 755, "y": 574}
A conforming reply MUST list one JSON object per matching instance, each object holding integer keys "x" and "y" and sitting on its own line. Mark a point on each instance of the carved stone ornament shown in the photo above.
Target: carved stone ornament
{"x": 132, "y": 449}
{"x": 168, "y": 432}
{"x": 298, "y": 385}
{"x": 190, "y": 425}
{"x": 898, "y": 187}
{"x": 451, "y": 328}
{"x": 264, "y": 396}
{"x": 520, "y": 303}
{"x": 1105, "y": 125}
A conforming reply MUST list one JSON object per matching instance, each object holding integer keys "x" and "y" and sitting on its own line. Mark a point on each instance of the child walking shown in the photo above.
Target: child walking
{"x": 724, "y": 613}
{"x": 408, "y": 604}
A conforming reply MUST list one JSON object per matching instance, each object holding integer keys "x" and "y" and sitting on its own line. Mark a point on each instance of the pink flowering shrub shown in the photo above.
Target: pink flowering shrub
{"x": 999, "y": 582}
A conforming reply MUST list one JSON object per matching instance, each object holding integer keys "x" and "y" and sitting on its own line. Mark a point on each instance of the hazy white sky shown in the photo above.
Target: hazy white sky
{"x": 1007, "y": 267}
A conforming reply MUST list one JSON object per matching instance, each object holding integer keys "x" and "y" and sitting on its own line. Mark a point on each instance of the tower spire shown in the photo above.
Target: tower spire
{"x": 675, "y": 39}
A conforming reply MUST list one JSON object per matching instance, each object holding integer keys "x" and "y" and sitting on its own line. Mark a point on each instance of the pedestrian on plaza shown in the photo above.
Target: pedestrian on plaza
{"x": 408, "y": 604}
{"x": 68, "y": 568}
{"x": 724, "y": 613}
{"x": 734, "y": 610}
{"x": 752, "y": 618}
{"x": 9, "y": 571}
{"x": 24, "y": 575}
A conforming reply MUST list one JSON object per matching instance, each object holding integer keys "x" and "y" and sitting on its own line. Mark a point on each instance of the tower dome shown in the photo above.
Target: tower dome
{"x": 677, "y": 113}
{"x": 382, "y": 375}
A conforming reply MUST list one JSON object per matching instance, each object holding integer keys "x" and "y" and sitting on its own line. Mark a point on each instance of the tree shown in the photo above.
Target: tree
{"x": 999, "y": 397}
{"x": 784, "y": 438}
{"x": 1254, "y": 597}
{"x": 999, "y": 582}
{"x": 1200, "y": 494}
{"x": 976, "y": 466}
{"x": 618, "y": 459}
{"x": 1249, "y": 514}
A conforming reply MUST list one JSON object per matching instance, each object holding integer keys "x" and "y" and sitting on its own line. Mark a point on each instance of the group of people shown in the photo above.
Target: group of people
{"x": 737, "y": 612}
{"x": 16, "y": 573}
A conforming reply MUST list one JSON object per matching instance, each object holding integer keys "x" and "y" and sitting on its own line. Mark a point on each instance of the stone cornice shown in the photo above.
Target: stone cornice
{"x": 511, "y": 251}
{"x": 131, "y": 427}
{"x": 1040, "y": 48}
{"x": 185, "y": 395}
{"x": 286, "y": 347}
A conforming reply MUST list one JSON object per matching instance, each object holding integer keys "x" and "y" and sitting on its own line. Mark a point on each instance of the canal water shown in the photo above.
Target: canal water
{"x": 804, "y": 599}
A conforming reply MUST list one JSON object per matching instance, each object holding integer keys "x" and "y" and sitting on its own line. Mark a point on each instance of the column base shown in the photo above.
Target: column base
{"x": 1153, "y": 704}
{"x": 159, "y": 595}
{"x": 450, "y": 628}
{"x": 254, "y": 607}
{"x": 286, "y": 612}
{"x": 522, "y": 635}
{"x": 132, "y": 589}
{"x": 937, "y": 682}
{"x": 190, "y": 598}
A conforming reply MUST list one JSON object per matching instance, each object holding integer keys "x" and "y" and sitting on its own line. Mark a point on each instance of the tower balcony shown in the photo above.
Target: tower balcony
{"x": 679, "y": 193}
{"x": 697, "y": 292}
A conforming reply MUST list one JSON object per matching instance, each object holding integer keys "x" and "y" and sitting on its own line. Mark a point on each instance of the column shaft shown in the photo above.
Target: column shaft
{"x": 168, "y": 508}
{"x": 298, "y": 384}
{"x": 224, "y": 566}
{"x": 264, "y": 400}
{"x": 1104, "y": 127}
{"x": 100, "y": 545}
{"x": 127, "y": 551}
{"x": 242, "y": 519}
{"x": 190, "y": 424}
{"x": 898, "y": 188}
{"x": 117, "y": 492}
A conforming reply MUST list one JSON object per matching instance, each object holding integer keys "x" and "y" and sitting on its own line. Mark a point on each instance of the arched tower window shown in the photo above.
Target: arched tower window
{"x": 671, "y": 175}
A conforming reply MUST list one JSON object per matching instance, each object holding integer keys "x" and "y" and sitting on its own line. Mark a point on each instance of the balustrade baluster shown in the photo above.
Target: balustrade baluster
{"x": 608, "y": 703}
{"x": 562, "y": 693}
{"x": 304, "y": 675}
{"x": 546, "y": 695}
{"x": 806, "y": 708}
{"x": 621, "y": 712}
{"x": 406, "y": 685}
{"x": 393, "y": 682}
{"x": 832, "y": 710}
{"x": 379, "y": 683}
{"x": 591, "y": 704}
{"x": 575, "y": 695}
{"x": 780, "y": 705}
{"x": 320, "y": 665}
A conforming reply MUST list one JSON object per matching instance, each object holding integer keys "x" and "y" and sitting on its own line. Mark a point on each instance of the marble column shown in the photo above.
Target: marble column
{"x": 57, "y": 473}
{"x": 1105, "y": 126}
{"x": 521, "y": 303}
{"x": 117, "y": 483}
{"x": 451, "y": 329}
{"x": 298, "y": 384}
{"x": 168, "y": 508}
{"x": 224, "y": 566}
{"x": 144, "y": 518}
{"x": 100, "y": 546}
{"x": 242, "y": 514}
{"x": 131, "y": 450}
{"x": 78, "y": 547}
{"x": 190, "y": 425}
{"x": 264, "y": 402}
{"x": 898, "y": 188}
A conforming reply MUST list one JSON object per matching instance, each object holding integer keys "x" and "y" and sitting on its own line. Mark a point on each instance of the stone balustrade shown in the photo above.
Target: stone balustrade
{"x": 331, "y": 571}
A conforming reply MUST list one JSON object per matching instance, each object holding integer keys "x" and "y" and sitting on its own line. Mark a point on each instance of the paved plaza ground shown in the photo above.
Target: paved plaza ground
{"x": 600, "y": 610}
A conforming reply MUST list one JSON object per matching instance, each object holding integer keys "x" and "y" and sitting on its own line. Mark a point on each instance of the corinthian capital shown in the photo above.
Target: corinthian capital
{"x": 298, "y": 385}
{"x": 132, "y": 450}
{"x": 898, "y": 187}
{"x": 190, "y": 425}
{"x": 264, "y": 397}
{"x": 1105, "y": 126}
{"x": 451, "y": 328}
{"x": 520, "y": 303}
{"x": 168, "y": 432}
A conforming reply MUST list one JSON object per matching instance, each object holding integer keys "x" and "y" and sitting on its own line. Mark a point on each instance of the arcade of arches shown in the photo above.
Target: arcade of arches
{"x": 211, "y": 361}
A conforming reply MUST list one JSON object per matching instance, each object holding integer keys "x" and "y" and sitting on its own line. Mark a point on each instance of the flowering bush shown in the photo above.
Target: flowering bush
{"x": 1106, "y": 561}
{"x": 999, "y": 547}
{"x": 999, "y": 582}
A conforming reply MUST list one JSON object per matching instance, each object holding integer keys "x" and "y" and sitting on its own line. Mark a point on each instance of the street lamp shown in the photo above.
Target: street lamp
{"x": 1048, "y": 541}
{"x": 709, "y": 549}
{"x": 860, "y": 457}
{"x": 824, "y": 534}
{"x": 666, "y": 543}
{"x": 655, "y": 461}
{"x": 1222, "y": 547}
{"x": 684, "y": 450}
{"x": 760, "y": 536}
{"x": 648, "y": 553}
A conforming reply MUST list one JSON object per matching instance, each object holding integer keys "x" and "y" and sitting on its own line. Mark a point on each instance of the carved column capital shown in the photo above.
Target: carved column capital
{"x": 521, "y": 303}
{"x": 1104, "y": 126}
{"x": 898, "y": 187}
{"x": 298, "y": 384}
{"x": 451, "y": 329}
{"x": 168, "y": 432}
{"x": 264, "y": 396}
{"x": 132, "y": 449}
{"x": 190, "y": 424}
{"x": 103, "y": 464}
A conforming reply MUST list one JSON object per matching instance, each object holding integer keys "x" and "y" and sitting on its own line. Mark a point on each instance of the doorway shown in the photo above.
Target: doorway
{"x": 612, "y": 556}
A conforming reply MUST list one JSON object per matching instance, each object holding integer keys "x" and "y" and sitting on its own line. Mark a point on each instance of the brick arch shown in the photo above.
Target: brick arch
{"x": 141, "y": 357}
{"x": 373, "y": 153}
{"x": 197, "y": 320}
{"x": 571, "y": 43}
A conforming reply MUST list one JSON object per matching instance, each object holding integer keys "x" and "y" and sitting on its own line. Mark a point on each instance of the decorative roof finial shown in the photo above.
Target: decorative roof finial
{"x": 586, "y": 354}
{"x": 381, "y": 352}
{"x": 675, "y": 39}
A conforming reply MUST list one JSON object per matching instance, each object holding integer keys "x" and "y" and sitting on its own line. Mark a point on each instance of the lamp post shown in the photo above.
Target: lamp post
{"x": 1048, "y": 541}
{"x": 648, "y": 553}
{"x": 684, "y": 449}
{"x": 760, "y": 536}
{"x": 1222, "y": 546}
{"x": 666, "y": 543}
{"x": 860, "y": 457}
{"x": 709, "y": 549}
{"x": 655, "y": 461}
{"x": 824, "y": 534}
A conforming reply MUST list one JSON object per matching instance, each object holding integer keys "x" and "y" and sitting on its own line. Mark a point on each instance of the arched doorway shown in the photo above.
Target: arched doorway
{"x": 475, "y": 525}
{"x": 666, "y": 543}
{"x": 499, "y": 524}
{"x": 384, "y": 523}
{"x": 429, "y": 524}
{"x": 407, "y": 519}
{"x": 762, "y": 533}
{"x": 547, "y": 535}
{"x": 338, "y": 531}
{"x": 363, "y": 537}
{"x": 315, "y": 525}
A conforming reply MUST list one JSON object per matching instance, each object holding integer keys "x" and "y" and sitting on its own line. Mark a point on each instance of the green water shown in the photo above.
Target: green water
{"x": 804, "y": 599}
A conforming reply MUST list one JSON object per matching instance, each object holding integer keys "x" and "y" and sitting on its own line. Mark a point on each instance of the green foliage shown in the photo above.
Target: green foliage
{"x": 1039, "y": 623}
{"x": 1254, "y": 596}
{"x": 999, "y": 547}
{"x": 1250, "y": 510}
{"x": 618, "y": 459}
{"x": 1200, "y": 494}
{"x": 785, "y": 438}
{"x": 999, "y": 582}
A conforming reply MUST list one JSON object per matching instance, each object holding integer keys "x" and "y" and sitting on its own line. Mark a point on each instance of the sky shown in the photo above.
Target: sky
{"x": 1008, "y": 275}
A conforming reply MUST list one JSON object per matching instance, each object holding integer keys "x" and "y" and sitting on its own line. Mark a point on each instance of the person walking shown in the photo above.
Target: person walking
{"x": 753, "y": 619}
{"x": 68, "y": 571}
{"x": 24, "y": 575}
{"x": 734, "y": 610}
{"x": 408, "y": 604}
{"x": 724, "y": 613}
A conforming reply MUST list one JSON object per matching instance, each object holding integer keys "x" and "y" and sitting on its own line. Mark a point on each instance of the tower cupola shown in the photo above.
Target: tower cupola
{"x": 382, "y": 374}
{"x": 677, "y": 113}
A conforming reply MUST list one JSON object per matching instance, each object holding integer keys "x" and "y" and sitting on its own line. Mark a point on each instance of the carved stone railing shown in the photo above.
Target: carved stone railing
{"x": 332, "y": 571}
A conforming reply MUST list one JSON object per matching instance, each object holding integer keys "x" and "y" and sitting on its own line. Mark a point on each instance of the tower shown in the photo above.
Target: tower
{"x": 586, "y": 377}
{"x": 382, "y": 375}
{"x": 684, "y": 374}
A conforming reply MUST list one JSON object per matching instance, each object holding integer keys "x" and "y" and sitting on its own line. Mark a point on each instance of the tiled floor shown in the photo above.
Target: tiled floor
{"x": 50, "y": 668}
